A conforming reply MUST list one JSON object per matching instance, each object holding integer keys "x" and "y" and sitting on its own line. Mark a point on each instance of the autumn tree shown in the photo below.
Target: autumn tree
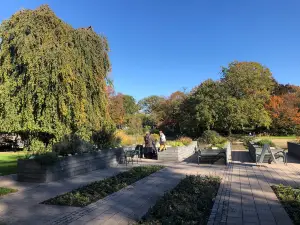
{"x": 285, "y": 112}
{"x": 52, "y": 77}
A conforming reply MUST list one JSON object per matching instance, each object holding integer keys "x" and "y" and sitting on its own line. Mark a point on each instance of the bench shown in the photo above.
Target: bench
{"x": 211, "y": 155}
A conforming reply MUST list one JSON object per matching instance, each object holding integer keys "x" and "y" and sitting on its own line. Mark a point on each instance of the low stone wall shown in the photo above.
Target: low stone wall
{"x": 177, "y": 154}
{"x": 29, "y": 170}
{"x": 294, "y": 149}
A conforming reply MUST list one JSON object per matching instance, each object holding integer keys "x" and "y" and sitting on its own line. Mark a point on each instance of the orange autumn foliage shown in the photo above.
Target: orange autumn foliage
{"x": 285, "y": 110}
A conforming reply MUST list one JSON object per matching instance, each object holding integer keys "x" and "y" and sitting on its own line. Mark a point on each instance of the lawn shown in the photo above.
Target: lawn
{"x": 190, "y": 202}
{"x": 290, "y": 199}
{"x": 100, "y": 189}
{"x": 280, "y": 137}
{"x": 8, "y": 162}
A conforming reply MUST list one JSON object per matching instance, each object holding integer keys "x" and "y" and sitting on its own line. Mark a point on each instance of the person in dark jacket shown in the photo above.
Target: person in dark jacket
{"x": 148, "y": 150}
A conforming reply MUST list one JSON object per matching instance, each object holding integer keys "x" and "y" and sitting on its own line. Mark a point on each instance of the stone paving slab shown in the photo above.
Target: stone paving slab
{"x": 246, "y": 197}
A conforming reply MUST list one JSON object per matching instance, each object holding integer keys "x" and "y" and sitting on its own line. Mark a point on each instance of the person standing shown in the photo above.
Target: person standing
{"x": 162, "y": 141}
{"x": 148, "y": 146}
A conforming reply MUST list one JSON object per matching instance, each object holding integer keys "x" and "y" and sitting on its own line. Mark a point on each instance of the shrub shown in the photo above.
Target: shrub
{"x": 106, "y": 138}
{"x": 47, "y": 158}
{"x": 185, "y": 140}
{"x": 175, "y": 143}
{"x": 126, "y": 139}
{"x": 262, "y": 142}
{"x": 247, "y": 139}
{"x": 212, "y": 137}
{"x": 72, "y": 144}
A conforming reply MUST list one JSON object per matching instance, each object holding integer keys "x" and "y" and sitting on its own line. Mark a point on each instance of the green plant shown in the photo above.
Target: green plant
{"x": 262, "y": 142}
{"x": 212, "y": 137}
{"x": 290, "y": 199}
{"x": 185, "y": 140}
{"x": 100, "y": 189}
{"x": 247, "y": 139}
{"x": 5, "y": 191}
{"x": 175, "y": 143}
{"x": 72, "y": 144}
{"x": 48, "y": 158}
{"x": 190, "y": 202}
{"x": 106, "y": 138}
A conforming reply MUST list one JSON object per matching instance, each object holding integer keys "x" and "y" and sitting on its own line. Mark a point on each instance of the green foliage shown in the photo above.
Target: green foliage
{"x": 5, "y": 191}
{"x": 213, "y": 138}
{"x": 185, "y": 140}
{"x": 135, "y": 125}
{"x": 130, "y": 105}
{"x": 232, "y": 103}
{"x": 52, "y": 77}
{"x": 106, "y": 138}
{"x": 190, "y": 202}
{"x": 47, "y": 158}
{"x": 8, "y": 162}
{"x": 71, "y": 144}
{"x": 150, "y": 104}
{"x": 100, "y": 189}
{"x": 262, "y": 142}
{"x": 290, "y": 199}
{"x": 175, "y": 143}
{"x": 247, "y": 139}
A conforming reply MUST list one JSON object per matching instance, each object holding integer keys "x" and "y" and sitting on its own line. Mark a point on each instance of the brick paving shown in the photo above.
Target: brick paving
{"x": 245, "y": 196}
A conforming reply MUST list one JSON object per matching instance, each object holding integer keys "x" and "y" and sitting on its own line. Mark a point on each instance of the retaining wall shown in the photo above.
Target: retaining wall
{"x": 28, "y": 170}
{"x": 294, "y": 149}
{"x": 177, "y": 154}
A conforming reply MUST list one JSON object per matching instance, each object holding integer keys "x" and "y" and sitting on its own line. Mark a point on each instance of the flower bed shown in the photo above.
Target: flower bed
{"x": 190, "y": 202}
{"x": 97, "y": 190}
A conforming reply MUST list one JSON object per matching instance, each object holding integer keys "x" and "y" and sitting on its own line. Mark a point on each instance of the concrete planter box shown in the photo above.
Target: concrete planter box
{"x": 177, "y": 154}
{"x": 255, "y": 152}
{"x": 294, "y": 149}
{"x": 28, "y": 170}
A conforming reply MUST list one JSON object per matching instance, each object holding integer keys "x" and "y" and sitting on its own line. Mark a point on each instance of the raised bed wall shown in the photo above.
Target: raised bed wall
{"x": 177, "y": 154}
{"x": 294, "y": 149}
{"x": 29, "y": 170}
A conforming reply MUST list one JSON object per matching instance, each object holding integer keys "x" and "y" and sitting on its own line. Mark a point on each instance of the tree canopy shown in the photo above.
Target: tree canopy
{"x": 53, "y": 77}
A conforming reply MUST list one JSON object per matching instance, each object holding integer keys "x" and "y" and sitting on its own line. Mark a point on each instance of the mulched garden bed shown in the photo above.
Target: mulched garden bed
{"x": 100, "y": 189}
{"x": 190, "y": 202}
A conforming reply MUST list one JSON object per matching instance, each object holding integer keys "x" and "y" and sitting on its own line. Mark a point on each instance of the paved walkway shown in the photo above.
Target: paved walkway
{"x": 244, "y": 197}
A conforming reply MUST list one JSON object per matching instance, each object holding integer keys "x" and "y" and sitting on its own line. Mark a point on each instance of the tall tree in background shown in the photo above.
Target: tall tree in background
{"x": 53, "y": 78}
{"x": 253, "y": 83}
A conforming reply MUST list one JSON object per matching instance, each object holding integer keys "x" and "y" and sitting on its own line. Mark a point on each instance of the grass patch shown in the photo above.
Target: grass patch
{"x": 190, "y": 202}
{"x": 290, "y": 199}
{"x": 8, "y": 162}
{"x": 5, "y": 191}
{"x": 100, "y": 189}
{"x": 292, "y": 137}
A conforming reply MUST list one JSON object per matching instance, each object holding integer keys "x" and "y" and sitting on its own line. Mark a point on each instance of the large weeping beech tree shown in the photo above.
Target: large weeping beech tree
{"x": 52, "y": 77}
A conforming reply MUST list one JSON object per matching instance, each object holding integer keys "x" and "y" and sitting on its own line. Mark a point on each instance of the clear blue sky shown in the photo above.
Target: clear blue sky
{"x": 160, "y": 46}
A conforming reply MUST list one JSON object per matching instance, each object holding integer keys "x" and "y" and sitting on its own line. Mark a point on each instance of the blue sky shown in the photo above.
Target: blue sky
{"x": 160, "y": 46}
